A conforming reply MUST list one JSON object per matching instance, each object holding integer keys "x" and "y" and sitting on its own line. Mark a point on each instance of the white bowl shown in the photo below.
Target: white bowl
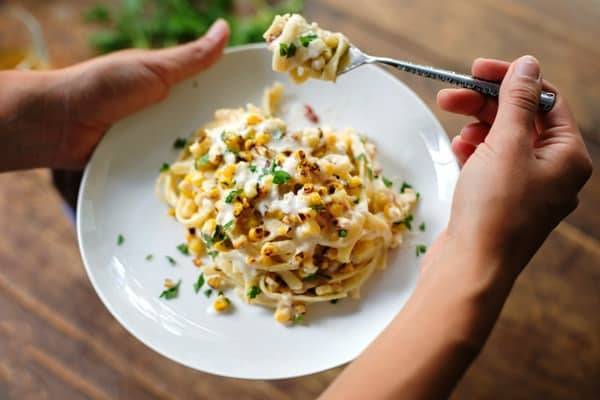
{"x": 117, "y": 197}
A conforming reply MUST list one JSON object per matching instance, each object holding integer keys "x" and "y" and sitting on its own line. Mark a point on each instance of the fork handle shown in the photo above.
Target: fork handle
{"x": 488, "y": 88}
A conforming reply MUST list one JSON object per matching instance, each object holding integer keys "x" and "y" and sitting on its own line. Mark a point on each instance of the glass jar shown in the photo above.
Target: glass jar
{"x": 22, "y": 44}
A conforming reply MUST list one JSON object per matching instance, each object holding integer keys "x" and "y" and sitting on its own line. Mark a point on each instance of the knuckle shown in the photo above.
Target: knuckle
{"x": 523, "y": 96}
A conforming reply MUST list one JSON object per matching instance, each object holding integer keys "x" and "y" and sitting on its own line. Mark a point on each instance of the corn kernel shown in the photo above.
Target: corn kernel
{"x": 314, "y": 199}
{"x": 220, "y": 246}
{"x": 262, "y": 138}
{"x": 330, "y": 139}
{"x": 283, "y": 315}
{"x": 197, "y": 262}
{"x": 331, "y": 41}
{"x": 256, "y": 234}
{"x": 336, "y": 210}
{"x": 299, "y": 308}
{"x": 209, "y": 226}
{"x": 354, "y": 182}
{"x": 171, "y": 212}
{"x": 238, "y": 207}
{"x": 214, "y": 282}
{"x": 213, "y": 193}
{"x": 249, "y": 143}
{"x": 250, "y": 189}
{"x": 221, "y": 304}
{"x": 253, "y": 119}
{"x": 196, "y": 246}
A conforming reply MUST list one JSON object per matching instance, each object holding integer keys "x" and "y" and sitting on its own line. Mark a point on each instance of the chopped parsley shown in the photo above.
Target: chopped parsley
{"x": 165, "y": 167}
{"x": 298, "y": 319}
{"x": 386, "y": 182}
{"x": 208, "y": 292}
{"x": 199, "y": 283}
{"x": 404, "y": 187}
{"x": 334, "y": 301}
{"x": 407, "y": 222}
{"x": 370, "y": 171}
{"x": 202, "y": 161}
{"x": 183, "y": 249}
{"x": 179, "y": 143}
{"x": 171, "y": 260}
{"x": 149, "y": 257}
{"x": 420, "y": 249}
{"x": 422, "y": 227}
{"x": 342, "y": 233}
{"x": 252, "y": 167}
{"x": 281, "y": 177}
{"x": 228, "y": 225}
{"x": 306, "y": 39}
{"x": 120, "y": 240}
{"x": 287, "y": 50}
{"x": 253, "y": 292}
{"x": 170, "y": 293}
{"x": 213, "y": 254}
{"x": 234, "y": 194}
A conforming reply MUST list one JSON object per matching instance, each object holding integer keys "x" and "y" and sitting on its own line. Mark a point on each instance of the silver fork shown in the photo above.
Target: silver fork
{"x": 356, "y": 58}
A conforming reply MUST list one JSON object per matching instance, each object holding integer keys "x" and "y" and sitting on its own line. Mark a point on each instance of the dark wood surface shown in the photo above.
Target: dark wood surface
{"x": 58, "y": 341}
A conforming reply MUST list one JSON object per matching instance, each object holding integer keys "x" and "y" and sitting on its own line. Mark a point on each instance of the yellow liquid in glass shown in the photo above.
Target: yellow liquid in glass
{"x": 12, "y": 58}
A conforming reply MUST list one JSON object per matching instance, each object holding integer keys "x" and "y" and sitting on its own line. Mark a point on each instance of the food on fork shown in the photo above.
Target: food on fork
{"x": 304, "y": 50}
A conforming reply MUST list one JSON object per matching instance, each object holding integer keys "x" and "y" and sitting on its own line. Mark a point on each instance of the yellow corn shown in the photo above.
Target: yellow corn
{"x": 331, "y": 41}
{"x": 314, "y": 199}
{"x": 253, "y": 119}
{"x": 238, "y": 207}
{"x": 213, "y": 193}
{"x": 196, "y": 246}
{"x": 249, "y": 143}
{"x": 354, "y": 182}
{"x": 256, "y": 234}
{"x": 283, "y": 315}
{"x": 214, "y": 282}
{"x": 221, "y": 304}
{"x": 171, "y": 212}
{"x": 262, "y": 138}
{"x": 209, "y": 226}
{"x": 336, "y": 210}
{"x": 330, "y": 140}
{"x": 220, "y": 246}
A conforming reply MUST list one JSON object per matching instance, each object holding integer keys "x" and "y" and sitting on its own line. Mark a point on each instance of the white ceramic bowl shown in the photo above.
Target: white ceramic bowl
{"x": 117, "y": 197}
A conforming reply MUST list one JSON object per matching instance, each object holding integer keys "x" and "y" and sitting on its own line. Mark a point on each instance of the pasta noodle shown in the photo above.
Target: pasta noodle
{"x": 287, "y": 217}
{"x": 305, "y": 50}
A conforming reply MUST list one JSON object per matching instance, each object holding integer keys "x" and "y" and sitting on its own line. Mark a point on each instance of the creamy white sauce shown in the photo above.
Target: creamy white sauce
{"x": 290, "y": 204}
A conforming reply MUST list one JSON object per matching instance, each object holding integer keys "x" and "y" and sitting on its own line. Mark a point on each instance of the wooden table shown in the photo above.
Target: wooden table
{"x": 58, "y": 341}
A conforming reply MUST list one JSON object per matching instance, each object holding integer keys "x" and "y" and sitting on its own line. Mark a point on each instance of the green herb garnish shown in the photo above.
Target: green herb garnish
{"x": 98, "y": 13}
{"x": 362, "y": 157}
{"x": 404, "y": 187}
{"x": 287, "y": 50}
{"x": 228, "y": 225}
{"x": 170, "y": 293}
{"x": 208, "y": 292}
{"x": 233, "y": 195}
{"x": 422, "y": 227}
{"x": 253, "y": 292}
{"x": 252, "y": 168}
{"x": 420, "y": 249}
{"x": 298, "y": 319}
{"x": 165, "y": 167}
{"x": 281, "y": 177}
{"x": 183, "y": 249}
{"x": 179, "y": 143}
{"x": 342, "y": 233}
{"x": 171, "y": 260}
{"x": 370, "y": 172}
{"x": 213, "y": 254}
{"x": 120, "y": 240}
{"x": 386, "y": 182}
{"x": 199, "y": 283}
{"x": 149, "y": 257}
{"x": 306, "y": 39}
{"x": 407, "y": 222}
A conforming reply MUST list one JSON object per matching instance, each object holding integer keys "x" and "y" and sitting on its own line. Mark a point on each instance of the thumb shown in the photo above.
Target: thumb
{"x": 181, "y": 62}
{"x": 518, "y": 101}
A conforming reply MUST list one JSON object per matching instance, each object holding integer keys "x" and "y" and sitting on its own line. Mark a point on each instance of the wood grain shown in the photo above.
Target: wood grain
{"x": 58, "y": 341}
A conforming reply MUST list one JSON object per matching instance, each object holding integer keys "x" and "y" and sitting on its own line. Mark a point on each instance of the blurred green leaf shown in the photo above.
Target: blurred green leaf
{"x": 161, "y": 23}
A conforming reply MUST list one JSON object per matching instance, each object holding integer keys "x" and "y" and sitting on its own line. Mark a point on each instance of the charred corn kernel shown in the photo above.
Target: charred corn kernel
{"x": 331, "y": 41}
{"x": 312, "y": 140}
{"x": 354, "y": 182}
{"x": 209, "y": 226}
{"x": 262, "y": 138}
{"x": 265, "y": 261}
{"x": 255, "y": 234}
{"x": 197, "y": 262}
{"x": 215, "y": 282}
{"x": 323, "y": 290}
{"x": 314, "y": 199}
{"x": 249, "y": 143}
{"x": 268, "y": 250}
{"x": 189, "y": 237}
{"x": 277, "y": 214}
{"x": 188, "y": 208}
{"x": 299, "y": 308}
{"x": 245, "y": 202}
{"x": 308, "y": 188}
{"x": 336, "y": 210}
{"x": 232, "y": 142}
{"x": 196, "y": 246}
{"x": 322, "y": 190}
{"x": 253, "y": 221}
{"x": 283, "y": 230}
{"x": 331, "y": 253}
{"x": 280, "y": 158}
{"x": 220, "y": 246}
{"x": 346, "y": 268}
{"x": 213, "y": 193}
{"x": 171, "y": 212}
{"x": 221, "y": 304}
{"x": 392, "y": 212}
{"x": 238, "y": 207}
{"x": 308, "y": 229}
{"x": 253, "y": 119}
{"x": 266, "y": 184}
{"x": 246, "y": 155}
{"x": 283, "y": 315}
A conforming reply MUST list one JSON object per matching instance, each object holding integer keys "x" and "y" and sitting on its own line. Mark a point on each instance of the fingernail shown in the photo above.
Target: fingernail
{"x": 528, "y": 66}
{"x": 218, "y": 29}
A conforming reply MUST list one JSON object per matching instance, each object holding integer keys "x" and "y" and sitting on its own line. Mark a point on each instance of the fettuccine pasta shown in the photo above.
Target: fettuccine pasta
{"x": 288, "y": 218}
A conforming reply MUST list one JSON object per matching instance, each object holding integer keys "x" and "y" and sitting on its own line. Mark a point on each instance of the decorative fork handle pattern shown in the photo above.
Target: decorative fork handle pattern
{"x": 488, "y": 88}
